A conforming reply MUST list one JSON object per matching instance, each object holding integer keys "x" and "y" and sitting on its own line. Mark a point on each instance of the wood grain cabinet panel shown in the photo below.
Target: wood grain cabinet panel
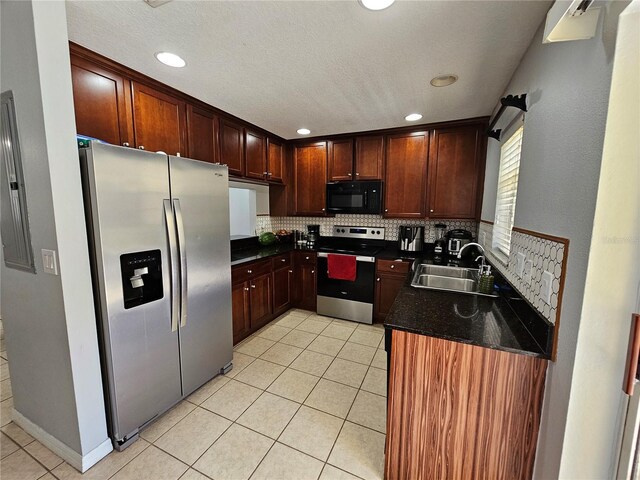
{"x": 310, "y": 178}
{"x": 232, "y": 147}
{"x": 260, "y": 295}
{"x": 406, "y": 175}
{"x": 159, "y": 121}
{"x": 369, "y": 158}
{"x": 305, "y": 288}
{"x": 255, "y": 155}
{"x": 102, "y": 103}
{"x": 387, "y": 289}
{"x": 201, "y": 134}
{"x": 461, "y": 411}
{"x": 282, "y": 283}
{"x": 275, "y": 162}
{"x": 340, "y": 162}
{"x": 454, "y": 169}
{"x": 240, "y": 311}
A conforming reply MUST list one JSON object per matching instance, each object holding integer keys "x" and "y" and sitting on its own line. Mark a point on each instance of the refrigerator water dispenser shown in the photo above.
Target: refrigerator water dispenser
{"x": 141, "y": 277}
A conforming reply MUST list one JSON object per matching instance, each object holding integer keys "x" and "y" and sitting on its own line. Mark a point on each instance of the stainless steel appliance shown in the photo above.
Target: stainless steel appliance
{"x": 456, "y": 239}
{"x": 410, "y": 238}
{"x": 350, "y": 300}
{"x": 354, "y": 197}
{"x": 440, "y": 245}
{"x": 158, "y": 228}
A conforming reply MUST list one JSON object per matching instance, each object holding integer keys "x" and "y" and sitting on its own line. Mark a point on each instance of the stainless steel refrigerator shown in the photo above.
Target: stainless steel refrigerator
{"x": 159, "y": 241}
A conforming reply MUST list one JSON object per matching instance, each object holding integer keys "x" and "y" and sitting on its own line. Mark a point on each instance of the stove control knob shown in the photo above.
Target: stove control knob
{"x": 378, "y": 232}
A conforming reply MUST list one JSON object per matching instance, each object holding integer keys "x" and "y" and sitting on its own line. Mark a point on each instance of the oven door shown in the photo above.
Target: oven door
{"x": 345, "y": 299}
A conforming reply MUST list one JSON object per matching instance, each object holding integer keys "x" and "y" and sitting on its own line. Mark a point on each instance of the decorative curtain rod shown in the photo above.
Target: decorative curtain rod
{"x": 519, "y": 102}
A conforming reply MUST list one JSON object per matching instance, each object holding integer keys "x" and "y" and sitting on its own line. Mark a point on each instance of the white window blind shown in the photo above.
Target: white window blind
{"x": 507, "y": 192}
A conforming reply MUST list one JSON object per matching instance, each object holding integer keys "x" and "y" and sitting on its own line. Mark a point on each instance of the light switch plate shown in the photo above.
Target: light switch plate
{"x": 526, "y": 275}
{"x": 50, "y": 261}
{"x": 546, "y": 287}
{"x": 520, "y": 259}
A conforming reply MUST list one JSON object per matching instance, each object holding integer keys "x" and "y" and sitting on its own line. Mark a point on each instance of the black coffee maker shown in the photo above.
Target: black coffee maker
{"x": 313, "y": 235}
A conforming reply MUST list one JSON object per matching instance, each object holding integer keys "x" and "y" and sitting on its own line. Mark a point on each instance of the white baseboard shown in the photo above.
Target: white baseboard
{"x": 82, "y": 463}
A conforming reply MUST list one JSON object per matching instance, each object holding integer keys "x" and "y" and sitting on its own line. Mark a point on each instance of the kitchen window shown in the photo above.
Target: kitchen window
{"x": 507, "y": 193}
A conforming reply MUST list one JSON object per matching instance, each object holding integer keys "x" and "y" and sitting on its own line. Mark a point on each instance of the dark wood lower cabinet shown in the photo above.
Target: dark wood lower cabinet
{"x": 387, "y": 288}
{"x": 282, "y": 289}
{"x": 260, "y": 300}
{"x": 240, "y": 311}
{"x": 305, "y": 280}
{"x": 461, "y": 411}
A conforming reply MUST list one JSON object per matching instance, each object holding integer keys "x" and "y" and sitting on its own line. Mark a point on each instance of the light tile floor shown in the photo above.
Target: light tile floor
{"x": 306, "y": 399}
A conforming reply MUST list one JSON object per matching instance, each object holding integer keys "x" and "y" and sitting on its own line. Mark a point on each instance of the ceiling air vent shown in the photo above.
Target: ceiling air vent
{"x": 571, "y": 20}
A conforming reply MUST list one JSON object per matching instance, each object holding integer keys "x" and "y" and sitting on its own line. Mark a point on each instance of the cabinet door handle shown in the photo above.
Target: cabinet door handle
{"x": 283, "y": 260}
{"x": 125, "y": 144}
{"x": 141, "y": 147}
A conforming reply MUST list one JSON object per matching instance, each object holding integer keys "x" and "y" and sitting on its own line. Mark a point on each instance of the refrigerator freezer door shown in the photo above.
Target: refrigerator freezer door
{"x": 201, "y": 203}
{"x": 126, "y": 190}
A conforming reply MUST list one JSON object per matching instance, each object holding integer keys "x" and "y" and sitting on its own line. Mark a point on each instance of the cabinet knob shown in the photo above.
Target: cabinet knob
{"x": 393, "y": 266}
{"x": 283, "y": 260}
{"x": 265, "y": 173}
{"x": 378, "y": 279}
{"x": 306, "y": 258}
{"x": 349, "y": 174}
{"x": 141, "y": 147}
{"x": 249, "y": 271}
{"x": 177, "y": 154}
{"x": 246, "y": 289}
{"x": 313, "y": 271}
{"x": 290, "y": 271}
{"x": 357, "y": 174}
{"x": 253, "y": 286}
{"x": 386, "y": 210}
{"x": 431, "y": 210}
{"x": 269, "y": 174}
{"x": 323, "y": 209}
{"x": 125, "y": 144}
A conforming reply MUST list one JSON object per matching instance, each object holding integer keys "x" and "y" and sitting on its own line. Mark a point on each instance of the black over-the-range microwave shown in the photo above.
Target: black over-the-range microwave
{"x": 354, "y": 197}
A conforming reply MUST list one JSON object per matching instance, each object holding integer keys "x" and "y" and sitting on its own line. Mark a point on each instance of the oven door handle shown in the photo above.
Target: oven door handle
{"x": 359, "y": 258}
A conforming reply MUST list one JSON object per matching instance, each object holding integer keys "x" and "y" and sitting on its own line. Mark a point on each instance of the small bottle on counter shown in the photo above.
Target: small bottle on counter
{"x": 485, "y": 282}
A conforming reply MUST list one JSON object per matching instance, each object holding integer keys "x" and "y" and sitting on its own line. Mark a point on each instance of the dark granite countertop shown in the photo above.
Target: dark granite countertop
{"x": 259, "y": 252}
{"x": 476, "y": 320}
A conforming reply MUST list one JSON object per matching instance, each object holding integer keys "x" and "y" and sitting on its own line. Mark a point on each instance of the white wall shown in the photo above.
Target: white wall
{"x": 568, "y": 90}
{"x": 49, "y": 320}
{"x": 612, "y": 287}
{"x": 242, "y": 212}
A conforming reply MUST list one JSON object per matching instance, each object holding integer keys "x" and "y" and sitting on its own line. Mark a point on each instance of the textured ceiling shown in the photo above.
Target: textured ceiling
{"x": 332, "y": 67}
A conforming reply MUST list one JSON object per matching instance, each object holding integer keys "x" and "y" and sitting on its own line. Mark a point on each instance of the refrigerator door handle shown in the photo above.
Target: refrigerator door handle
{"x": 182, "y": 246}
{"x": 173, "y": 267}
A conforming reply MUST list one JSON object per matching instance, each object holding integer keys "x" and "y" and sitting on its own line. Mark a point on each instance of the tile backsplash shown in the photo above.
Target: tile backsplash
{"x": 546, "y": 255}
{"x": 391, "y": 225}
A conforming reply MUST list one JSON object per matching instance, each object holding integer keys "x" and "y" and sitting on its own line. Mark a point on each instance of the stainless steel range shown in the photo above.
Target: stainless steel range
{"x": 351, "y": 298}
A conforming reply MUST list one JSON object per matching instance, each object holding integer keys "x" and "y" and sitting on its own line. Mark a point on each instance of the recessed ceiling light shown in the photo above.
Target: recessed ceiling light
{"x": 170, "y": 59}
{"x": 444, "y": 80}
{"x": 412, "y": 117}
{"x": 376, "y": 4}
{"x": 304, "y": 131}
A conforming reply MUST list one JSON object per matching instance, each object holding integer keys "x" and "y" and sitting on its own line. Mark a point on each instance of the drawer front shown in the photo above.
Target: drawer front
{"x": 393, "y": 266}
{"x": 306, "y": 258}
{"x": 281, "y": 261}
{"x": 242, "y": 273}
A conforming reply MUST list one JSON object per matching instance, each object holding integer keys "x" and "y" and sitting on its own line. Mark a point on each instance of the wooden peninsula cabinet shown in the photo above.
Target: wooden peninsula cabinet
{"x": 461, "y": 411}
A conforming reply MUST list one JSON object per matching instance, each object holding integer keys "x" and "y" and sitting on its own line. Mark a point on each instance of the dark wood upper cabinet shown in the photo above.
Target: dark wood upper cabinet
{"x": 406, "y": 175}
{"x": 341, "y": 160}
{"x": 232, "y": 147}
{"x": 102, "y": 102}
{"x": 454, "y": 167}
{"x": 255, "y": 155}
{"x": 275, "y": 162}
{"x": 201, "y": 129}
{"x": 310, "y": 178}
{"x": 369, "y": 158}
{"x": 159, "y": 121}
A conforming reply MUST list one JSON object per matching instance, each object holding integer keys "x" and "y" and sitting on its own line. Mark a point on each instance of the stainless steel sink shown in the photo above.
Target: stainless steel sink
{"x": 450, "y": 279}
{"x": 452, "y": 272}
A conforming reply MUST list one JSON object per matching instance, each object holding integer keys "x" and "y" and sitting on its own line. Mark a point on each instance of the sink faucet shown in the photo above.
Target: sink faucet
{"x": 469, "y": 245}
